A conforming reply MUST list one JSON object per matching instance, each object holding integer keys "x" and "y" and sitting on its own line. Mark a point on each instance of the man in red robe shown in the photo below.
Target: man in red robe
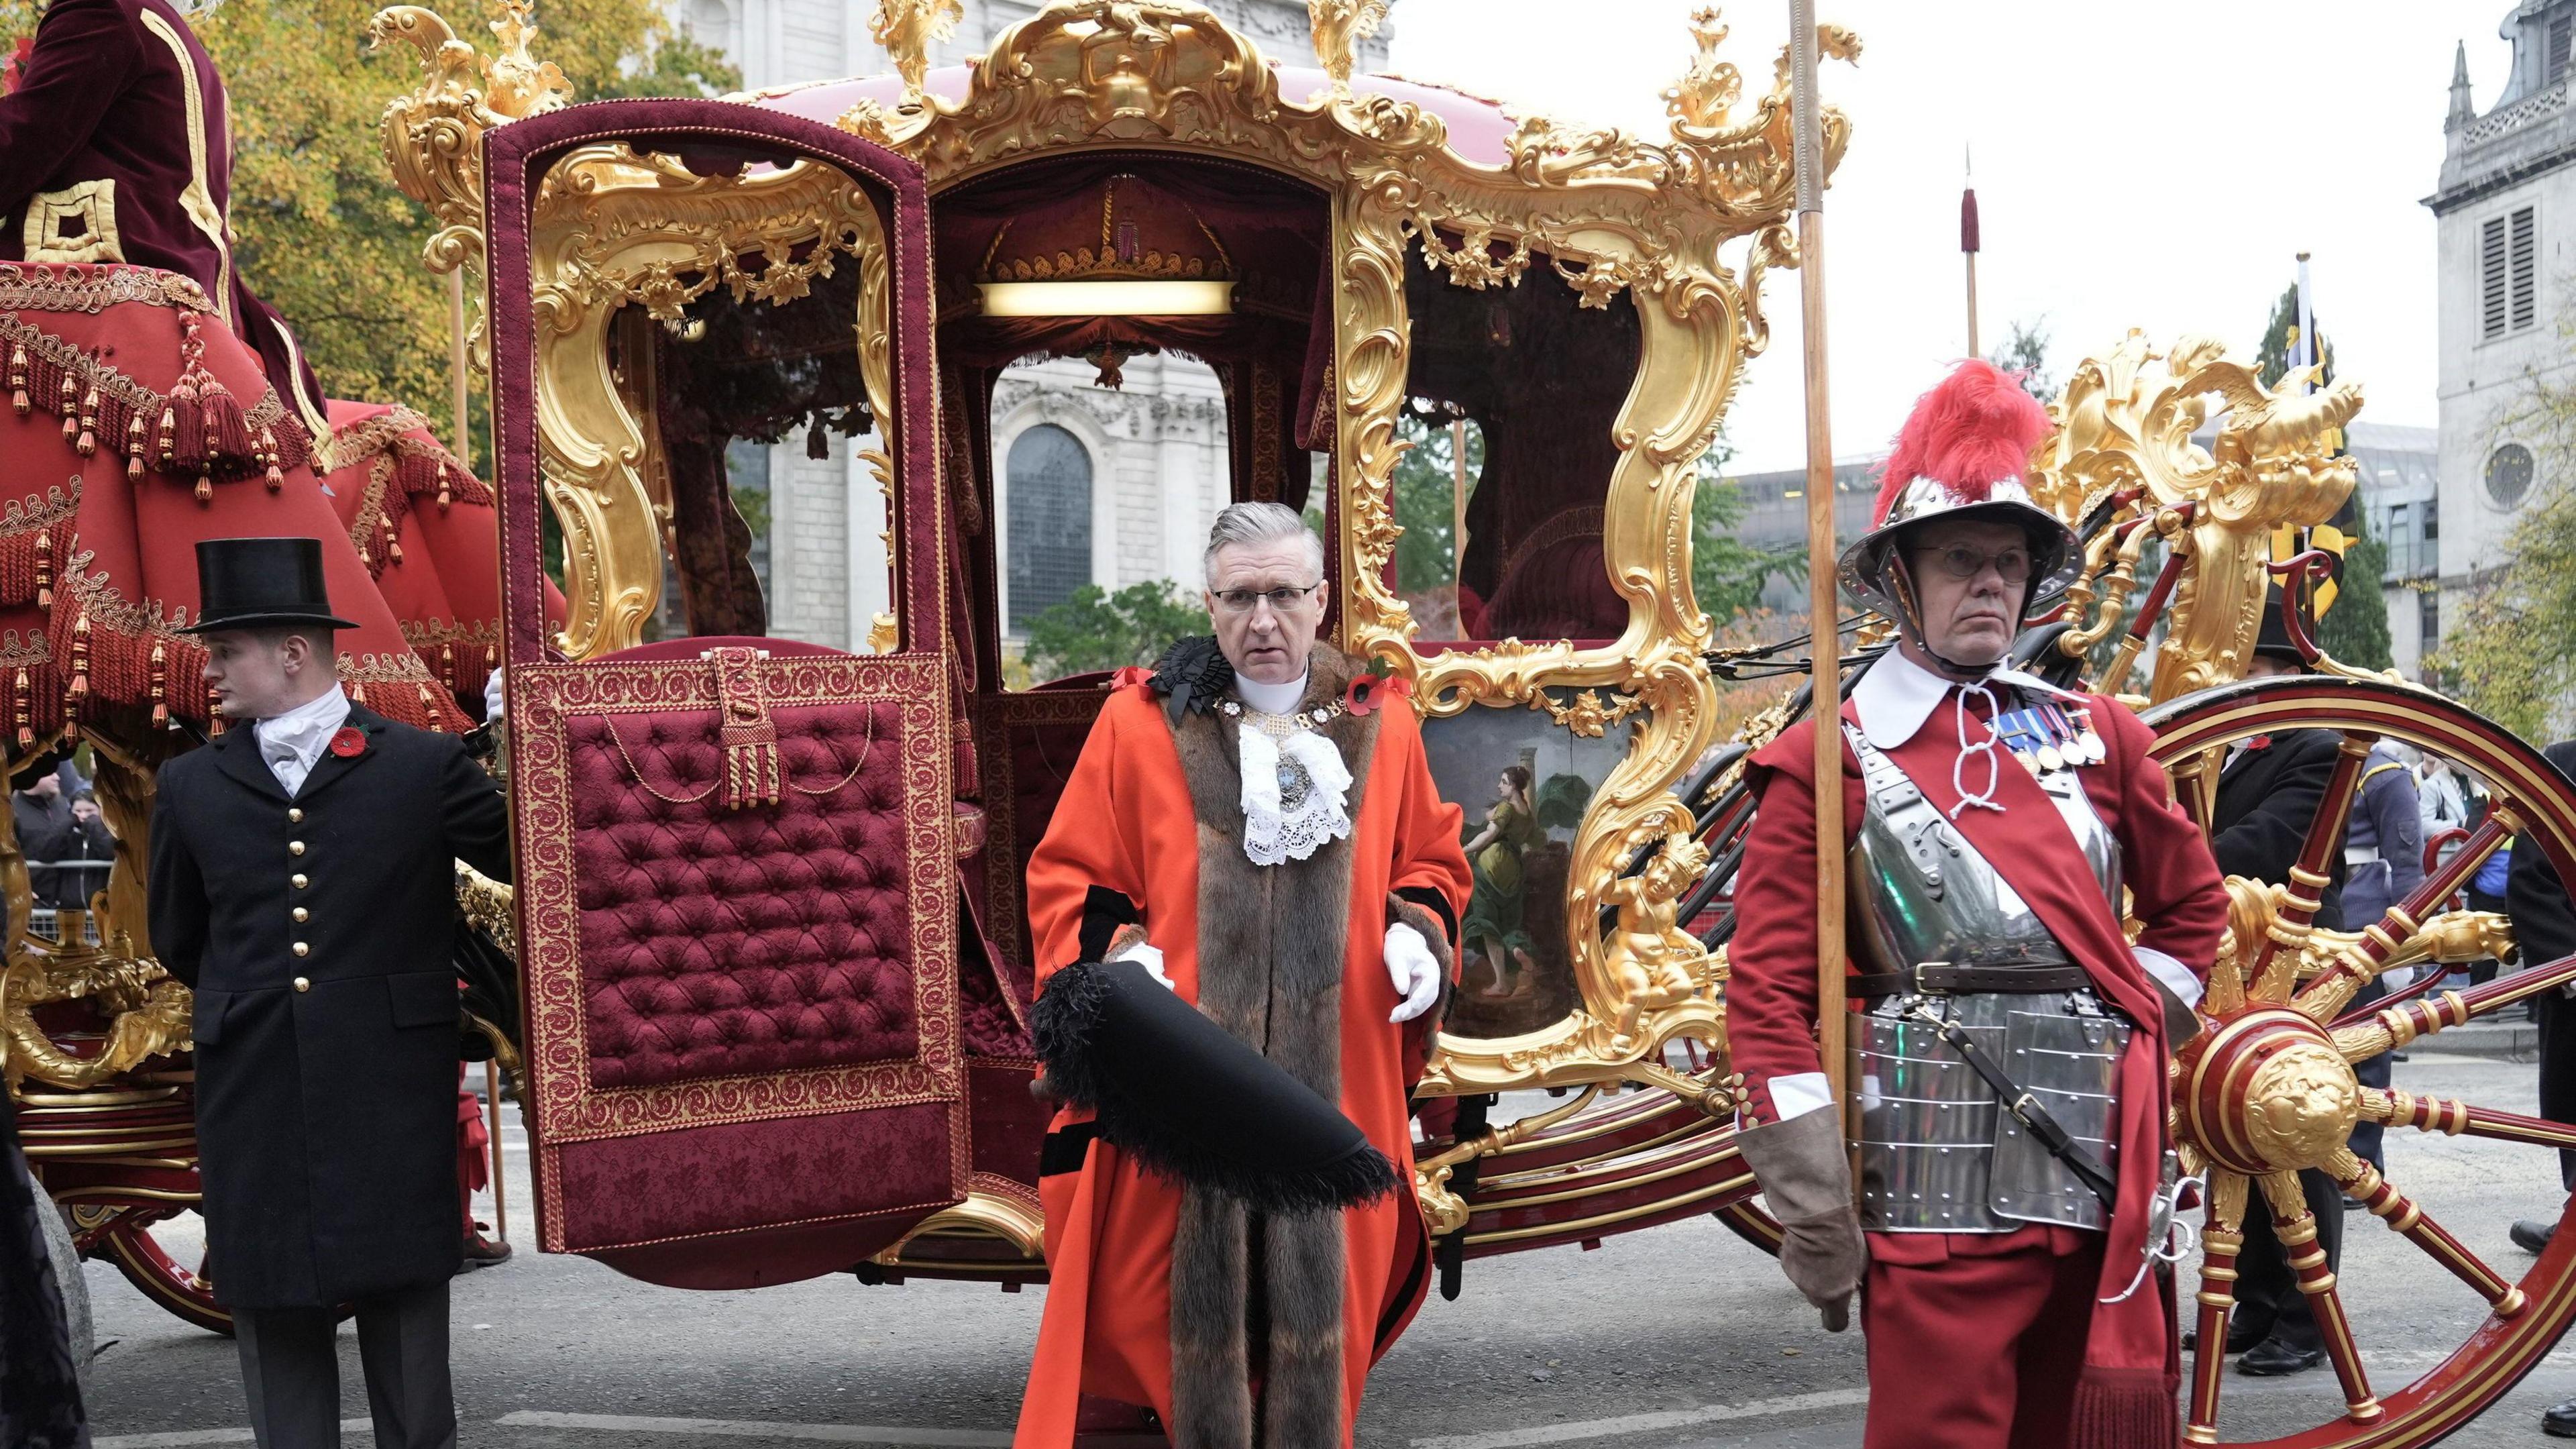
{"x": 1994, "y": 823}
{"x": 1256, "y": 824}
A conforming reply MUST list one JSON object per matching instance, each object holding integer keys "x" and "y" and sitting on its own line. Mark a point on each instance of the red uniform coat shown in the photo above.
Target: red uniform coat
{"x": 118, "y": 132}
{"x": 1126, "y": 825}
{"x": 2175, "y": 890}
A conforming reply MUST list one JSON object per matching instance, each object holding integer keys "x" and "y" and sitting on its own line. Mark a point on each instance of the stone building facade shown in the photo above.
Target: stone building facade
{"x": 1112, "y": 487}
{"x": 2506, "y": 207}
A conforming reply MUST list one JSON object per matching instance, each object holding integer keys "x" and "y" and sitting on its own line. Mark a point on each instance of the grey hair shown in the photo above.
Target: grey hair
{"x": 1253, "y": 523}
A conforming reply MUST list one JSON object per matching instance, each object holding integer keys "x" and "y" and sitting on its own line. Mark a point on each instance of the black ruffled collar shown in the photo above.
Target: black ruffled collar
{"x": 1192, "y": 675}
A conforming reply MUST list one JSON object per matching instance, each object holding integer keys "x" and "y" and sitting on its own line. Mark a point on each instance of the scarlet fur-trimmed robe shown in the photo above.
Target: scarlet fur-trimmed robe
{"x": 1148, "y": 832}
{"x": 2124, "y": 1396}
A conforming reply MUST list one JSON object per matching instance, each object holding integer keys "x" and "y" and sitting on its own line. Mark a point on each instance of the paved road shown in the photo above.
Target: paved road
{"x": 1679, "y": 1337}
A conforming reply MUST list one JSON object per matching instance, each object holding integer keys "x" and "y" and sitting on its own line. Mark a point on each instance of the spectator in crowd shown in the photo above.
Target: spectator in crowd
{"x": 85, "y": 837}
{"x": 2383, "y": 857}
{"x": 2544, "y": 927}
{"x": 42, "y": 816}
{"x": 2442, "y": 804}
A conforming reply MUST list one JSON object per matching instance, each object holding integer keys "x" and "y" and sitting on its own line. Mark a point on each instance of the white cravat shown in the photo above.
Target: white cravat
{"x": 292, "y": 743}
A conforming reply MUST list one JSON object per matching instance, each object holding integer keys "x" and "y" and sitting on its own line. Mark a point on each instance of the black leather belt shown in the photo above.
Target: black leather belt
{"x": 1944, "y": 980}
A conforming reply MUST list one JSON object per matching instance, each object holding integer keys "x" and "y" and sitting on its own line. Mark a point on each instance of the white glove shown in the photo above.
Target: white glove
{"x": 1149, "y": 957}
{"x": 1416, "y": 974}
{"x": 492, "y": 697}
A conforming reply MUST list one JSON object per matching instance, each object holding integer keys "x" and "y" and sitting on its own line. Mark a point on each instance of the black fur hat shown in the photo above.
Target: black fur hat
{"x": 1190, "y": 1102}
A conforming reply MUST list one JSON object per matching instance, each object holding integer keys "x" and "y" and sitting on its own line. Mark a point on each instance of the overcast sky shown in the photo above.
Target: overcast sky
{"x": 2151, "y": 167}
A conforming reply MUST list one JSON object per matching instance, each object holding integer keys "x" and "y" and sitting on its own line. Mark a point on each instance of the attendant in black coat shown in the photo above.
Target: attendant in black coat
{"x": 2268, "y": 795}
{"x": 302, "y": 884}
{"x": 2544, "y": 930}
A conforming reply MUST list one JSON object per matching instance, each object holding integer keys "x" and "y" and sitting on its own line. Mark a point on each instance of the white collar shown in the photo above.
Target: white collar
{"x": 1273, "y": 698}
{"x": 306, "y": 726}
{"x": 1896, "y": 695}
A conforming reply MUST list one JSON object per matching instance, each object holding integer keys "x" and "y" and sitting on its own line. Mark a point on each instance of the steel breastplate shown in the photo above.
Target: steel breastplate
{"x": 1937, "y": 1151}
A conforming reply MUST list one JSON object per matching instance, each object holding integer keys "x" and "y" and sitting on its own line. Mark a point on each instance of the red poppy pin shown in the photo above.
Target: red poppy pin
{"x": 2259, "y": 742}
{"x": 1367, "y": 692}
{"x": 349, "y": 743}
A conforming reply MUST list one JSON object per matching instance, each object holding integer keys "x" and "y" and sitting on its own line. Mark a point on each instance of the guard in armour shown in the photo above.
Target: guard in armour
{"x": 1993, "y": 823}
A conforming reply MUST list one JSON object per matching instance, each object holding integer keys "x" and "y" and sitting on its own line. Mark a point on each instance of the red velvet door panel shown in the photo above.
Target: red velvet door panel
{"x": 740, "y": 971}
{"x": 737, "y": 858}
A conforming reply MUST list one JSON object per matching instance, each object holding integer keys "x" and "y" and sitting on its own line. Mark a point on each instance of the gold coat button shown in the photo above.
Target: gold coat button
{"x": 294, "y": 815}
{"x": 303, "y": 950}
{"x": 295, "y": 847}
{"x": 303, "y": 985}
{"x": 301, "y": 914}
{"x": 297, "y": 880}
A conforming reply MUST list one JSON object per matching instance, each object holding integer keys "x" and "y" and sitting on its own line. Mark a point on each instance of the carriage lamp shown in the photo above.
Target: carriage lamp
{"x": 1162, "y": 298}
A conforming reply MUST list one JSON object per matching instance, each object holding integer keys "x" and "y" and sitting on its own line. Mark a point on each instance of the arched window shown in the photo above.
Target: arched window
{"x": 1049, "y": 503}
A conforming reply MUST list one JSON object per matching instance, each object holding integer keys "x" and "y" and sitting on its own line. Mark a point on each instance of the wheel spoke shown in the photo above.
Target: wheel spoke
{"x": 2456, "y": 1118}
{"x": 2296, "y": 1229}
{"x": 2379, "y": 945}
{"x": 2221, "y": 1240}
{"x": 2276, "y": 964}
{"x": 2377, "y": 1028}
{"x": 2409, "y": 1218}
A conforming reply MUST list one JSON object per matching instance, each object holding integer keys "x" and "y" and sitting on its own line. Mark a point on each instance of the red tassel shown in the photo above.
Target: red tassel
{"x": 160, "y": 686}
{"x": 88, "y": 442}
{"x": 205, "y": 489}
{"x": 134, "y": 446}
{"x": 169, "y": 442}
{"x": 2124, "y": 1409}
{"x": 268, "y": 455}
{"x": 214, "y": 712}
{"x": 444, "y": 496}
{"x": 21, "y": 712}
{"x": 78, "y": 690}
{"x": 44, "y": 568}
{"x": 227, "y": 431}
{"x": 18, "y": 398}
{"x": 393, "y": 549}
{"x": 358, "y": 693}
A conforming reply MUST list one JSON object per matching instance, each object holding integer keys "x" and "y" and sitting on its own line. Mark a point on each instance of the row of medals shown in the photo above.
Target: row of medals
{"x": 2048, "y": 736}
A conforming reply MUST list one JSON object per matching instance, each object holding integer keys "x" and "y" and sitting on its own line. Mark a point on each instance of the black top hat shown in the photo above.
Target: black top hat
{"x": 261, "y": 583}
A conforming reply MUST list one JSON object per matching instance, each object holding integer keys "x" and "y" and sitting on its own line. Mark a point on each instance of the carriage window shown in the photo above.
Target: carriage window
{"x": 1434, "y": 480}
{"x": 1047, "y": 498}
{"x": 1521, "y": 385}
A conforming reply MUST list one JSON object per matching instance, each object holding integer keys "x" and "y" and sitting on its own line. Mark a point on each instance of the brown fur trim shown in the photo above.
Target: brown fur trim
{"x": 1272, "y": 947}
{"x": 1131, "y": 934}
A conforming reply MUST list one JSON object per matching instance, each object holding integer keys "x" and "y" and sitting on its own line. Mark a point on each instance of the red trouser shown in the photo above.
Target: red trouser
{"x": 1975, "y": 1342}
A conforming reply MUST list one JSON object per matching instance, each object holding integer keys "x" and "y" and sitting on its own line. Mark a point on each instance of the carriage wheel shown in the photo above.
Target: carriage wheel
{"x": 2268, "y": 1089}
{"x": 168, "y": 1273}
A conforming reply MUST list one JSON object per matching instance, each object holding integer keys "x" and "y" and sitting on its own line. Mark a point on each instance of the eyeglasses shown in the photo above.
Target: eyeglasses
{"x": 1962, "y": 562}
{"x": 1281, "y": 599}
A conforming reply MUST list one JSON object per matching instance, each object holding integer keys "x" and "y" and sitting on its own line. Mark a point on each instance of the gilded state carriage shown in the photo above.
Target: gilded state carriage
{"x": 769, "y": 924}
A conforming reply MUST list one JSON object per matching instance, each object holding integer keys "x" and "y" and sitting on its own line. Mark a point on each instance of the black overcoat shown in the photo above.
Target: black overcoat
{"x": 2266, "y": 797}
{"x": 316, "y": 932}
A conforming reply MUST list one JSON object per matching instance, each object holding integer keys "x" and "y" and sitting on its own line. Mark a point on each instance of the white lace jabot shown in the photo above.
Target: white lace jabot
{"x": 1295, "y": 785}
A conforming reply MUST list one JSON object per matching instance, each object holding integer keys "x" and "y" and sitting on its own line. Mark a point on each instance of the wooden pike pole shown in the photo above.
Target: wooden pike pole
{"x": 1823, "y": 601}
{"x": 1969, "y": 245}
{"x": 500, "y": 1191}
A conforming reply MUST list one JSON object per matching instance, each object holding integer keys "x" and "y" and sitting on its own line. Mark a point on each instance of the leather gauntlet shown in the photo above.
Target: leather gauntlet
{"x": 1803, "y": 1170}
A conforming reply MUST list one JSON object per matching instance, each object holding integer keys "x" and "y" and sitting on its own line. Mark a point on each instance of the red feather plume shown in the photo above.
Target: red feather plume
{"x": 1976, "y": 427}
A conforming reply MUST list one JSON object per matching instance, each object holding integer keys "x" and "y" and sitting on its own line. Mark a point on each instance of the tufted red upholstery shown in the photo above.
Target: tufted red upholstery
{"x": 718, "y": 943}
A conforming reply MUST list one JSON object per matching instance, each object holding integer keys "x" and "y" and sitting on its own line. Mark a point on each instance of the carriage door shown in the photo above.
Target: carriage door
{"x": 736, "y": 852}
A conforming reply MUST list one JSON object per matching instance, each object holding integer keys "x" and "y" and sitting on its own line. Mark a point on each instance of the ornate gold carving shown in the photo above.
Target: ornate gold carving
{"x": 1652, "y": 960}
{"x": 1339, "y": 26}
{"x": 612, "y": 227}
{"x": 2126, "y": 422}
{"x": 1587, "y": 716}
{"x": 906, "y": 28}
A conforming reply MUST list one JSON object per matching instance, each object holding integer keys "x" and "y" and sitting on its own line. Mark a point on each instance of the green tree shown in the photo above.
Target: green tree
{"x": 1426, "y": 486}
{"x": 323, "y": 234}
{"x": 1096, "y": 630}
{"x": 2025, "y": 351}
{"x": 1728, "y": 574}
{"x": 2275, "y": 356}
